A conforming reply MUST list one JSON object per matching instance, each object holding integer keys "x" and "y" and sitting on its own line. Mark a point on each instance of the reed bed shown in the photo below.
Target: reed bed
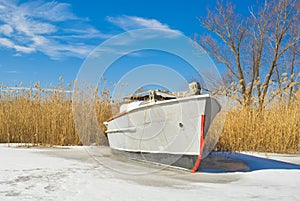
{"x": 44, "y": 117}
{"x": 275, "y": 129}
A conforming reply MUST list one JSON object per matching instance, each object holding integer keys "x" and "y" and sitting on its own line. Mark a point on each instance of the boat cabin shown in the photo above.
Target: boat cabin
{"x": 160, "y": 95}
{"x": 152, "y": 95}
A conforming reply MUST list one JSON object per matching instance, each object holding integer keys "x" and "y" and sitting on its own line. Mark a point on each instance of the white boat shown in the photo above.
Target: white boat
{"x": 160, "y": 127}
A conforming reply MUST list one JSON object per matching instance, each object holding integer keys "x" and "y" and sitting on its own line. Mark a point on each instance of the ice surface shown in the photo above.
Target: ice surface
{"x": 92, "y": 173}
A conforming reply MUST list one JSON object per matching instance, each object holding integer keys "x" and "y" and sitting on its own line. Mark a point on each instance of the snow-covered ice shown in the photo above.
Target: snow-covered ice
{"x": 92, "y": 173}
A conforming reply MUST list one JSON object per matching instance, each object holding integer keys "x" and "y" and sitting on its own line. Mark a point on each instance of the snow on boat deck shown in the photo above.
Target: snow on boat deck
{"x": 92, "y": 173}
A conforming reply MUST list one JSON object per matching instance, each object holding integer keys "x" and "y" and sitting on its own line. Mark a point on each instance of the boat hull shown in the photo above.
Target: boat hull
{"x": 172, "y": 131}
{"x": 182, "y": 161}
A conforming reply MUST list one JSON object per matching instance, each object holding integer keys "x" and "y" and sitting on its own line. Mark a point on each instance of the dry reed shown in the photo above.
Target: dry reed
{"x": 41, "y": 117}
{"x": 275, "y": 129}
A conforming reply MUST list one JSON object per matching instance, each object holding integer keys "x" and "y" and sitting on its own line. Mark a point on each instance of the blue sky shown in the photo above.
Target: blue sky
{"x": 42, "y": 40}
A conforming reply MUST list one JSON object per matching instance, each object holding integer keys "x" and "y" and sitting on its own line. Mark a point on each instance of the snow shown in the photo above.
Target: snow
{"x": 93, "y": 173}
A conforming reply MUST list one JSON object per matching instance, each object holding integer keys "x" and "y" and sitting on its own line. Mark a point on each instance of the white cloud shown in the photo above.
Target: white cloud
{"x": 4, "y": 42}
{"x": 24, "y": 49}
{"x": 126, "y": 22}
{"x": 33, "y": 26}
{"x": 133, "y": 22}
{"x": 86, "y": 33}
{"x": 52, "y": 11}
{"x": 6, "y": 29}
{"x": 39, "y": 40}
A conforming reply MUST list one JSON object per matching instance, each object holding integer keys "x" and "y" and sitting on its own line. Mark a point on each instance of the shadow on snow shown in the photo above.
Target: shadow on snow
{"x": 222, "y": 162}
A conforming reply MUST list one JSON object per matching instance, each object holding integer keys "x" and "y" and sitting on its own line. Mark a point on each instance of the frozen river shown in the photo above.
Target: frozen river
{"x": 93, "y": 173}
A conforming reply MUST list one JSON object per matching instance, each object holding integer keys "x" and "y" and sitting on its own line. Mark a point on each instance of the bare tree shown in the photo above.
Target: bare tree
{"x": 254, "y": 48}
